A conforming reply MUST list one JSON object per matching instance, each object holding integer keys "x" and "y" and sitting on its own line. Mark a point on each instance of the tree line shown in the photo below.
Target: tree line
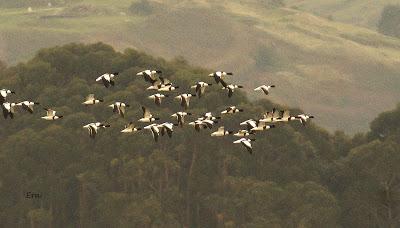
{"x": 297, "y": 177}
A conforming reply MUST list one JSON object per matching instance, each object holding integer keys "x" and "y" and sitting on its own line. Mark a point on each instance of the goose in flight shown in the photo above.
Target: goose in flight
{"x": 231, "y": 110}
{"x": 208, "y": 116}
{"x": 180, "y": 117}
{"x": 243, "y": 133}
{"x": 303, "y": 118}
{"x": 221, "y": 132}
{"x": 27, "y": 105}
{"x": 4, "y": 93}
{"x": 185, "y": 99}
{"x": 155, "y": 131}
{"x": 250, "y": 123}
{"x": 157, "y": 98}
{"x": 202, "y": 124}
{"x": 264, "y": 88}
{"x": 93, "y": 128}
{"x": 160, "y": 84}
{"x": 8, "y": 110}
{"x": 271, "y": 117}
{"x": 200, "y": 88}
{"x": 246, "y": 143}
{"x": 285, "y": 116}
{"x": 231, "y": 88}
{"x": 167, "y": 88}
{"x": 219, "y": 75}
{"x": 107, "y": 79}
{"x": 119, "y": 107}
{"x": 91, "y": 100}
{"x": 147, "y": 116}
{"x": 130, "y": 128}
{"x": 51, "y": 115}
{"x": 261, "y": 126}
{"x": 166, "y": 127}
{"x": 149, "y": 75}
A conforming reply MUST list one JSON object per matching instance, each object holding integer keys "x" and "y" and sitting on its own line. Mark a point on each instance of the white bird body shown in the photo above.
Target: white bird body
{"x": 107, "y": 79}
{"x": 231, "y": 88}
{"x": 199, "y": 124}
{"x": 166, "y": 127}
{"x": 219, "y": 75}
{"x": 154, "y": 130}
{"x": 221, "y": 132}
{"x": 119, "y": 108}
{"x": 184, "y": 99}
{"x": 130, "y": 128}
{"x": 249, "y": 123}
{"x": 149, "y": 75}
{"x": 91, "y": 100}
{"x": 246, "y": 143}
{"x": 180, "y": 117}
{"x": 243, "y": 133}
{"x": 200, "y": 88}
{"x": 264, "y": 88}
{"x": 147, "y": 116}
{"x": 8, "y": 109}
{"x": 303, "y": 118}
{"x": 261, "y": 127}
{"x": 4, "y": 93}
{"x": 167, "y": 88}
{"x": 93, "y": 128}
{"x": 27, "y": 105}
{"x": 157, "y": 98}
{"x": 231, "y": 110}
{"x": 51, "y": 115}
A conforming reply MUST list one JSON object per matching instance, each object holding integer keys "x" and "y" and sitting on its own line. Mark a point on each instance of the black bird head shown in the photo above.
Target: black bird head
{"x": 189, "y": 114}
{"x": 101, "y": 100}
{"x": 272, "y": 126}
{"x": 60, "y": 117}
{"x": 139, "y": 128}
{"x": 115, "y": 73}
{"x": 229, "y": 73}
{"x": 241, "y": 110}
{"x": 311, "y": 116}
{"x": 36, "y": 103}
{"x": 158, "y": 71}
{"x": 272, "y": 86}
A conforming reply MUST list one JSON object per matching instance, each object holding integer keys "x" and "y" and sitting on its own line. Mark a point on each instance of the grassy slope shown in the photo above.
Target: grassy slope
{"x": 364, "y": 13}
{"x": 343, "y": 74}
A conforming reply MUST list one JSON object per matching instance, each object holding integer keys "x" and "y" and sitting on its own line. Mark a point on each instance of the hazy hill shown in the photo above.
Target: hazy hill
{"x": 364, "y": 13}
{"x": 343, "y": 74}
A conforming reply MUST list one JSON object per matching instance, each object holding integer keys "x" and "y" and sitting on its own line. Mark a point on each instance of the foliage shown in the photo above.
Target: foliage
{"x": 297, "y": 177}
{"x": 389, "y": 24}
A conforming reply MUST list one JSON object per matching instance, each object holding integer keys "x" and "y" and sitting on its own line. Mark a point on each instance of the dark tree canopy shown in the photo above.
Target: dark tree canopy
{"x": 297, "y": 177}
{"x": 389, "y": 24}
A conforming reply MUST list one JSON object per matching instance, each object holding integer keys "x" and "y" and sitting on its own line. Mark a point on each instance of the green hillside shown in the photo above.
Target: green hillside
{"x": 297, "y": 177}
{"x": 343, "y": 74}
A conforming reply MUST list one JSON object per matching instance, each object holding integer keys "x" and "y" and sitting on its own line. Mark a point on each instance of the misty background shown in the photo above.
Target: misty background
{"x": 327, "y": 57}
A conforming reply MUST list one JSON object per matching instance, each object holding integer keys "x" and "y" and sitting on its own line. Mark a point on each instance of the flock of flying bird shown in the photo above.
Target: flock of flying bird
{"x": 161, "y": 84}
